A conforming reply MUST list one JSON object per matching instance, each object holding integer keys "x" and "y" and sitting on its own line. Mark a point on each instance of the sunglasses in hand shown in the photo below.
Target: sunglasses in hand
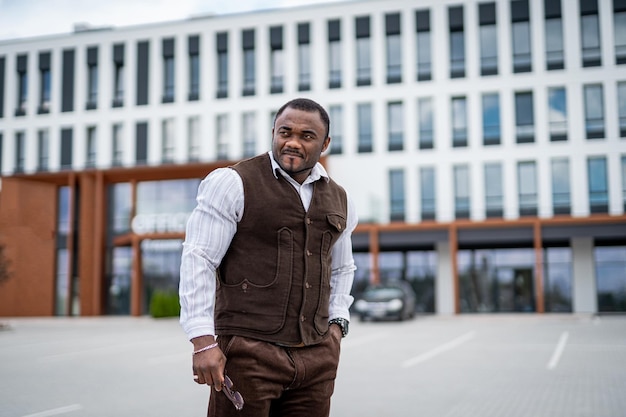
{"x": 234, "y": 396}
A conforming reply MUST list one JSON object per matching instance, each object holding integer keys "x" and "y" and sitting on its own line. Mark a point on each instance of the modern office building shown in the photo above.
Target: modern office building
{"x": 483, "y": 142}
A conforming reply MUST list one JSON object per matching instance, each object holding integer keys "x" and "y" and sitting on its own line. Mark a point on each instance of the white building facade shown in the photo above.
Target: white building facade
{"x": 483, "y": 142}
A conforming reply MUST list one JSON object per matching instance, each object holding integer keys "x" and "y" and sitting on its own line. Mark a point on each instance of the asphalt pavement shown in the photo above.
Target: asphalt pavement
{"x": 432, "y": 366}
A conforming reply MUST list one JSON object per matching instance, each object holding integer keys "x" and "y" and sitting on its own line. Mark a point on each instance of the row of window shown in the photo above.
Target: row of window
{"x": 527, "y": 189}
{"x": 459, "y": 131}
{"x": 489, "y": 50}
{"x": 524, "y": 112}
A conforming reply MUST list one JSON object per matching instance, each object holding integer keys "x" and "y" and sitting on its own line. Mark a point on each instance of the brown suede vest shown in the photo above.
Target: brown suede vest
{"x": 274, "y": 281}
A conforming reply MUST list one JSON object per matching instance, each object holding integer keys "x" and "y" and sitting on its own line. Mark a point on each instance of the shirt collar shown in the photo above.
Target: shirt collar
{"x": 318, "y": 171}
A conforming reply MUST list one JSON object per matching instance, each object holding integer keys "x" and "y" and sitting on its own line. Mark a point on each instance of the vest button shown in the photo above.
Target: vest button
{"x": 244, "y": 286}
{"x": 308, "y": 252}
{"x": 302, "y": 318}
{"x": 308, "y": 220}
{"x": 307, "y": 285}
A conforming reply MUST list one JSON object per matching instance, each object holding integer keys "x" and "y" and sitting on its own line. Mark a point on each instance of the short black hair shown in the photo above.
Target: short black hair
{"x": 307, "y": 105}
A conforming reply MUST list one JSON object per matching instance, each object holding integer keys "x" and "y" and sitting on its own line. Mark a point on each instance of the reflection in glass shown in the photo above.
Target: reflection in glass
{"x": 557, "y": 113}
{"x": 364, "y": 114}
{"x": 594, "y": 111}
{"x": 424, "y": 60}
{"x": 61, "y": 305}
{"x": 457, "y": 54}
{"x": 363, "y": 61}
{"x": 527, "y": 188}
{"x": 395, "y": 126}
{"x": 557, "y": 283}
{"x": 560, "y": 186}
{"x": 619, "y": 26}
{"x": 555, "y": 58}
{"x": 459, "y": 121}
{"x": 488, "y": 50}
{"x": 493, "y": 190}
{"x": 524, "y": 117}
{"x": 598, "y": 185}
{"x": 394, "y": 59}
{"x": 336, "y": 129}
{"x": 522, "y": 61}
{"x": 428, "y": 200}
{"x": 496, "y": 280}
{"x": 611, "y": 278}
{"x": 120, "y": 203}
{"x": 461, "y": 192}
{"x": 396, "y": 195}
{"x": 491, "y": 119}
{"x": 621, "y": 107}
{"x": 426, "y": 124}
{"x": 118, "y": 281}
{"x": 590, "y": 40}
{"x": 160, "y": 260}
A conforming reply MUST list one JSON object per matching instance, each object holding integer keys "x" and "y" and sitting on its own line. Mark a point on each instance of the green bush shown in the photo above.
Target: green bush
{"x": 164, "y": 304}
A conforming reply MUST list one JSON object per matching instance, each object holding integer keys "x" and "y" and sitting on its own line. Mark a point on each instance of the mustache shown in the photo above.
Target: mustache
{"x": 293, "y": 152}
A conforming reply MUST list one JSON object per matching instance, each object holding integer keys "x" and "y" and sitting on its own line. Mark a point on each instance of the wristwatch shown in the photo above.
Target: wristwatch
{"x": 343, "y": 323}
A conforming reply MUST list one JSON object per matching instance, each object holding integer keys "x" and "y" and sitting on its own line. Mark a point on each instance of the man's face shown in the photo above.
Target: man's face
{"x": 298, "y": 140}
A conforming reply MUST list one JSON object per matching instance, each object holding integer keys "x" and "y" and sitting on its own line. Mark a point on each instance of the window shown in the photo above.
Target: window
{"x": 493, "y": 190}
{"x": 555, "y": 58}
{"x": 141, "y": 143}
{"x": 624, "y": 181}
{"x": 168, "y": 141}
{"x": 304, "y": 57}
{"x": 457, "y": 42}
{"x": 491, "y": 119}
{"x": 249, "y": 77}
{"x": 396, "y": 195}
{"x": 561, "y": 203}
{"x": 590, "y": 34}
{"x": 621, "y": 107}
{"x": 44, "y": 83}
{"x": 619, "y": 28}
{"x": 92, "y": 147}
{"x": 118, "y": 141}
{"x": 43, "y": 149}
{"x": 363, "y": 52}
{"x": 92, "y": 78}
{"x": 277, "y": 63}
{"x": 557, "y": 113}
{"x": 527, "y": 188}
{"x": 394, "y": 48}
{"x": 426, "y": 125}
{"x": 222, "y": 65}
{"x": 222, "y": 136}
{"x": 524, "y": 118}
{"x": 168, "y": 71}
{"x": 488, "y": 33}
{"x": 143, "y": 73}
{"x": 67, "y": 153}
{"x": 428, "y": 189}
{"x": 461, "y": 192}
{"x": 598, "y": 185}
{"x": 459, "y": 122}
{"x": 118, "y": 75}
{"x": 193, "y": 135}
{"x": 395, "y": 126}
{"x": 20, "y": 151}
{"x": 335, "y": 113}
{"x": 193, "y": 48}
{"x": 249, "y": 132}
{"x": 520, "y": 36}
{"x": 594, "y": 111}
{"x": 22, "y": 85}
{"x": 364, "y": 116}
{"x": 423, "y": 44}
{"x": 334, "y": 54}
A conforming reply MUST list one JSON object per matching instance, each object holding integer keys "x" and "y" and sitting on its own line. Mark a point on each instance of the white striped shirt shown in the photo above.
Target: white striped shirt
{"x": 210, "y": 229}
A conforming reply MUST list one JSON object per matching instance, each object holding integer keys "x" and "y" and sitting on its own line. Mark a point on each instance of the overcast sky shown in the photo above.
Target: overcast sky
{"x": 26, "y": 18}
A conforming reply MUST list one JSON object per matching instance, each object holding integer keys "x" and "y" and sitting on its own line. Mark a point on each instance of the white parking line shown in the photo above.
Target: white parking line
{"x": 57, "y": 411}
{"x": 558, "y": 351}
{"x": 439, "y": 350}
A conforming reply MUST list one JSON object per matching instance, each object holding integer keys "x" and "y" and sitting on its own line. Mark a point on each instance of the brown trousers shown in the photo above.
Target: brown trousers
{"x": 278, "y": 381}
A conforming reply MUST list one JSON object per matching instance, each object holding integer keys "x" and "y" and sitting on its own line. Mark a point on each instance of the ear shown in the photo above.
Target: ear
{"x": 326, "y": 143}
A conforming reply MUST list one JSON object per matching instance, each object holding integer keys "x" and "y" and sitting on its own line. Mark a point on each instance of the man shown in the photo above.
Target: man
{"x": 266, "y": 274}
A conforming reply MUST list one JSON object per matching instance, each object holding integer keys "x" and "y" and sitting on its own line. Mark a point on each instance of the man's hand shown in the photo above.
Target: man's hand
{"x": 208, "y": 366}
{"x": 335, "y": 331}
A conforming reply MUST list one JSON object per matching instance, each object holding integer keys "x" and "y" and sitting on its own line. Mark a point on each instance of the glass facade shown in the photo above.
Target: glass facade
{"x": 496, "y": 280}
{"x": 557, "y": 281}
{"x": 611, "y": 278}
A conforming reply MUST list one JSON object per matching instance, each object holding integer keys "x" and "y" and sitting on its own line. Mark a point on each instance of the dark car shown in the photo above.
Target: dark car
{"x": 391, "y": 300}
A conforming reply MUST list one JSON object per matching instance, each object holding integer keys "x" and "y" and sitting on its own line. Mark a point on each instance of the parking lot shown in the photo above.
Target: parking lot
{"x": 432, "y": 366}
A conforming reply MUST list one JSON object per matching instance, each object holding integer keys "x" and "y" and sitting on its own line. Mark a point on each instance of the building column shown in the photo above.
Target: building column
{"x": 444, "y": 284}
{"x": 584, "y": 291}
